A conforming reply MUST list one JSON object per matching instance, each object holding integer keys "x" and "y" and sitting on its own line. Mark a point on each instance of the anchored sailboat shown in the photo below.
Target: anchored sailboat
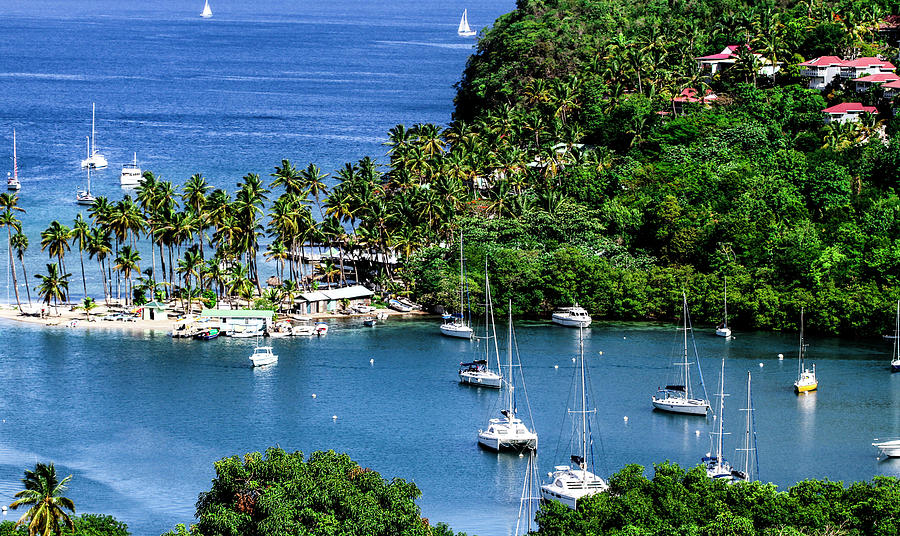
{"x": 509, "y": 432}
{"x": 806, "y": 379}
{"x": 94, "y": 159}
{"x": 464, "y": 30}
{"x": 895, "y": 357}
{"x": 207, "y": 12}
{"x": 567, "y": 483}
{"x": 717, "y": 466}
{"x": 457, "y": 325}
{"x": 724, "y": 330}
{"x": 750, "y": 468}
{"x": 12, "y": 181}
{"x": 677, "y": 397}
{"x": 478, "y": 372}
{"x": 84, "y": 197}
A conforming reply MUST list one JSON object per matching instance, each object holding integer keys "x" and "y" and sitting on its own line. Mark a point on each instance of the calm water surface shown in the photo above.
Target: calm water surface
{"x": 139, "y": 420}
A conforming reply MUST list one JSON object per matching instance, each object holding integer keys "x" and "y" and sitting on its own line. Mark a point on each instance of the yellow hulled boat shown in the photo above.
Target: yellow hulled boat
{"x": 806, "y": 378}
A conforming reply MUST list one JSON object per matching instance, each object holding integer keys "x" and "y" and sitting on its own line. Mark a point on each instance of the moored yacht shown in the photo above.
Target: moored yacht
{"x": 263, "y": 355}
{"x": 568, "y": 483}
{"x": 94, "y": 159}
{"x": 12, "y": 180}
{"x": 574, "y": 317}
{"x": 131, "y": 174}
{"x": 895, "y": 356}
{"x": 724, "y": 330}
{"x": 478, "y": 372}
{"x": 806, "y": 378}
{"x": 508, "y": 431}
{"x": 457, "y": 325}
{"x": 678, "y": 397}
{"x": 890, "y": 448}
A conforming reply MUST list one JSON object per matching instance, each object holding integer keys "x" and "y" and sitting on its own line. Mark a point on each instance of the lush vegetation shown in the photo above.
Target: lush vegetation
{"x": 326, "y": 494}
{"x": 679, "y": 502}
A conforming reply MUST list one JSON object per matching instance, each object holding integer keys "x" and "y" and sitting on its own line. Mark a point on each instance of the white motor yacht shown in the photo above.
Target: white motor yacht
{"x": 891, "y": 448}
{"x": 573, "y": 317}
{"x": 263, "y": 355}
{"x": 131, "y": 174}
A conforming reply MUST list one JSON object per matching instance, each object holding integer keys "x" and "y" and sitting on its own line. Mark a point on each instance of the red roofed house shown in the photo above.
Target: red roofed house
{"x": 846, "y": 112}
{"x": 689, "y": 96}
{"x": 728, "y": 56}
{"x": 822, "y": 71}
{"x": 865, "y": 83}
{"x": 891, "y": 89}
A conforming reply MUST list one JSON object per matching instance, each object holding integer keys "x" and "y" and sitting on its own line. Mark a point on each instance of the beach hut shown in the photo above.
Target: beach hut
{"x": 328, "y": 300}
{"x": 241, "y": 319}
{"x": 153, "y": 311}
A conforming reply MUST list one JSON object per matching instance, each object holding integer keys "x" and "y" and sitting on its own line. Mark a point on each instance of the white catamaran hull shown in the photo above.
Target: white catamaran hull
{"x": 567, "y": 485}
{"x": 890, "y": 449}
{"x": 456, "y": 330}
{"x": 566, "y": 320}
{"x": 676, "y": 405}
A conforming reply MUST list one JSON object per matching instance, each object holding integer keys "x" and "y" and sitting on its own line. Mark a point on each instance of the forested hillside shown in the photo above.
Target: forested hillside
{"x": 589, "y": 184}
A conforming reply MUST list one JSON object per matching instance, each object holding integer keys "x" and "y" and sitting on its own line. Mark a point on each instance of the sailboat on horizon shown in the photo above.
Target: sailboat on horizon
{"x": 12, "y": 181}
{"x": 207, "y": 12}
{"x": 464, "y": 30}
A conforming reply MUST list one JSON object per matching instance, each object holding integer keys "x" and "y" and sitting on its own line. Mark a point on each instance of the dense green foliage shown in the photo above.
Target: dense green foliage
{"x": 679, "y": 502}
{"x": 327, "y": 494}
{"x": 84, "y": 525}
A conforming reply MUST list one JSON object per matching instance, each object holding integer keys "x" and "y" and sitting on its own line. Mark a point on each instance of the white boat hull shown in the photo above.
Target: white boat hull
{"x": 496, "y": 443}
{"x": 244, "y": 334}
{"x": 261, "y": 362}
{"x": 564, "y": 320}
{"x": 677, "y": 405}
{"x": 480, "y": 379}
{"x": 723, "y": 332}
{"x": 568, "y": 485}
{"x": 890, "y": 449}
{"x": 456, "y": 330}
{"x": 15, "y": 186}
{"x": 95, "y": 161}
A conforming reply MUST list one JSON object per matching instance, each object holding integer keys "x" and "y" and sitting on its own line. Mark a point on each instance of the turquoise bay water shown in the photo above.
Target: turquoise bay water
{"x": 140, "y": 419}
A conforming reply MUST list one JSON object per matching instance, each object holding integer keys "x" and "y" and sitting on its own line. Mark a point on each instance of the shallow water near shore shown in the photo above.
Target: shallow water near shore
{"x": 140, "y": 418}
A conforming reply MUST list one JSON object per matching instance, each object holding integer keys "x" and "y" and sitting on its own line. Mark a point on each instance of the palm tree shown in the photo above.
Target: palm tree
{"x": 8, "y": 220}
{"x": 288, "y": 176}
{"x": 47, "y": 506}
{"x": 88, "y": 304}
{"x": 20, "y": 243}
{"x": 128, "y": 262}
{"x": 314, "y": 183}
{"x": 54, "y": 285}
{"x": 79, "y": 234}
{"x": 56, "y": 239}
{"x": 100, "y": 246}
{"x": 191, "y": 266}
{"x": 194, "y": 196}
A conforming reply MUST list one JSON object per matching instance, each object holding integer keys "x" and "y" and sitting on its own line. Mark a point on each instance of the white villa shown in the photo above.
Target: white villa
{"x": 847, "y": 112}
{"x": 823, "y": 70}
{"x": 865, "y": 83}
{"x": 715, "y": 63}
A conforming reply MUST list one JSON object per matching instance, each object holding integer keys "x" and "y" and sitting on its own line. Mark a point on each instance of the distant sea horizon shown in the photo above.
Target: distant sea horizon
{"x": 235, "y": 94}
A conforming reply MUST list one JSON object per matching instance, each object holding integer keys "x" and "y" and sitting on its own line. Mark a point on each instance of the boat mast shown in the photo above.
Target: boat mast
{"x": 726, "y": 302}
{"x": 583, "y": 406}
{"x": 461, "y": 279}
{"x": 721, "y": 415}
{"x": 800, "y": 357}
{"x": 897, "y": 333}
{"x": 489, "y": 319}
{"x": 510, "y": 398}
{"x": 748, "y": 439}
{"x": 686, "y": 374}
{"x": 88, "y": 141}
{"x": 91, "y": 146}
{"x": 15, "y": 160}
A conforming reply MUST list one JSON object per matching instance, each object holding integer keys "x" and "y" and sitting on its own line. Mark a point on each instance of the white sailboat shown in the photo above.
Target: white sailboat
{"x": 530, "y": 500}
{"x": 567, "y": 483}
{"x": 94, "y": 159}
{"x": 678, "y": 398}
{"x": 478, "y": 372}
{"x": 12, "y": 181}
{"x": 806, "y": 378}
{"x": 464, "y": 30}
{"x": 458, "y": 325}
{"x": 508, "y": 431}
{"x": 207, "y": 12}
{"x": 131, "y": 174}
{"x": 717, "y": 467}
{"x": 724, "y": 330}
{"x": 749, "y": 469}
{"x": 890, "y": 448}
{"x": 895, "y": 356}
{"x": 84, "y": 197}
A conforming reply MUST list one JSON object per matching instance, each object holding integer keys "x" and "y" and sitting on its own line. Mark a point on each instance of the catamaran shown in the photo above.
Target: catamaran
{"x": 895, "y": 357}
{"x": 94, "y": 159}
{"x": 806, "y": 378}
{"x": 508, "y": 431}
{"x": 207, "y": 12}
{"x": 12, "y": 181}
{"x": 457, "y": 325}
{"x": 567, "y": 483}
{"x": 678, "y": 398}
{"x": 478, "y": 372}
{"x": 464, "y": 30}
{"x": 131, "y": 174}
{"x": 724, "y": 330}
{"x": 84, "y": 197}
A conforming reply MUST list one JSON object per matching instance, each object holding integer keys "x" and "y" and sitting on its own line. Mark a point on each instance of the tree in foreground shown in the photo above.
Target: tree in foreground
{"x": 43, "y": 494}
{"x": 281, "y": 493}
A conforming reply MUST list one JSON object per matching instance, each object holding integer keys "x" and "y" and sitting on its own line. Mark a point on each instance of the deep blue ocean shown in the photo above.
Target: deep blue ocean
{"x": 318, "y": 82}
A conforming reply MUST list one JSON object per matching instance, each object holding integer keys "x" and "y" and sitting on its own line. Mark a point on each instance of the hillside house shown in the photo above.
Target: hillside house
{"x": 847, "y": 112}
{"x": 866, "y": 83}
{"x": 823, "y": 70}
{"x": 729, "y": 55}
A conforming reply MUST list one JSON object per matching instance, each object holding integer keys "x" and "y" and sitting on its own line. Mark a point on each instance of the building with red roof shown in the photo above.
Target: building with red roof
{"x": 865, "y": 83}
{"x": 846, "y": 112}
{"x": 729, "y": 56}
{"x": 823, "y": 70}
{"x": 891, "y": 89}
{"x": 690, "y": 95}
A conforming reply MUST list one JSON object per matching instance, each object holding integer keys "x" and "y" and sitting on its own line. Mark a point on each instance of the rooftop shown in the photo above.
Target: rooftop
{"x": 877, "y": 78}
{"x": 850, "y": 107}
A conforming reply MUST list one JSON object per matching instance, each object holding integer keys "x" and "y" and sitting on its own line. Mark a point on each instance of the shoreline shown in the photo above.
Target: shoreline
{"x": 67, "y": 316}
